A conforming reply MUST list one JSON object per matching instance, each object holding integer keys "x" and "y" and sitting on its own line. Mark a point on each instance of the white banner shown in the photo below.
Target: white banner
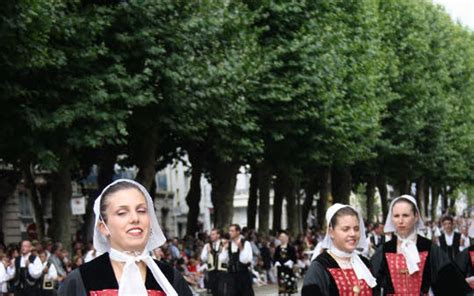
{"x": 78, "y": 205}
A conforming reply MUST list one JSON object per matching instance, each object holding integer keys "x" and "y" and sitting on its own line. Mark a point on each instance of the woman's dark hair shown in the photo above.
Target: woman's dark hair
{"x": 345, "y": 211}
{"x": 413, "y": 206}
{"x": 111, "y": 190}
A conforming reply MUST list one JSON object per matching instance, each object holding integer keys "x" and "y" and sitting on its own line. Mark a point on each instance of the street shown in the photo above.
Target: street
{"x": 268, "y": 290}
{"x": 272, "y": 290}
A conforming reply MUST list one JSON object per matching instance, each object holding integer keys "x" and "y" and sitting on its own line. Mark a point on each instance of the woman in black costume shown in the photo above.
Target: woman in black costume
{"x": 339, "y": 270}
{"x": 126, "y": 231}
{"x": 410, "y": 264}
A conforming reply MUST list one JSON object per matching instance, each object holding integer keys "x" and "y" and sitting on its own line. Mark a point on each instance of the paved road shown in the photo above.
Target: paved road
{"x": 266, "y": 290}
{"x": 272, "y": 290}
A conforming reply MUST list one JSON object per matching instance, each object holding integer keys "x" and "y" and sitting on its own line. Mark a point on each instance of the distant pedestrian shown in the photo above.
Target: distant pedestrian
{"x": 239, "y": 252}
{"x": 285, "y": 259}
{"x": 27, "y": 272}
{"x": 214, "y": 255}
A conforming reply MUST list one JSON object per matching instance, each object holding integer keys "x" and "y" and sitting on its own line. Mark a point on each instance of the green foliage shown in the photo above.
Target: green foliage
{"x": 425, "y": 128}
{"x": 299, "y": 84}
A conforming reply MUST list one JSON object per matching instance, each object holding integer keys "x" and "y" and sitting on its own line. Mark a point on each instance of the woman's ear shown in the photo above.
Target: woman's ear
{"x": 104, "y": 230}
{"x": 331, "y": 232}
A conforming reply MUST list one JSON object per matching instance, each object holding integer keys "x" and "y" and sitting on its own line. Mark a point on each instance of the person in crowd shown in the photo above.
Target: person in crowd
{"x": 339, "y": 270}
{"x": 4, "y": 275}
{"x": 450, "y": 240}
{"x": 91, "y": 254}
{"x": 48, "y": 247}
{"x": 465, "y": 262}
{"x": 158, "y": 254}
{"x": 77, "y": 261}
{"x": 27, "y": 270}
{"x": 126, "y": 231}
{"x": 317, "y": 250}
{"x": 285, "y": 258}
{"x": 174, "y": 249}
{"x": 410, "y": 263}
{"x": 239, "y": 254}
{"x": 309, "y": 240}
{"x": 214, "y": 256}
{"x": 376, "y": 237}
{"x": 49, "y": 275}
{"x": 252, "y": 239}
{"x": 266, "y": 260}
{"x": 56, "y": 259}
{"x": 465, "y": 239}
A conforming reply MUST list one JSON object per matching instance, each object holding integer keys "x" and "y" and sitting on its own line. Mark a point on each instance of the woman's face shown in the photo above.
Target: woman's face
{"x": 346, "y": 233}
{"x": 404, "y": 218}
{"x": 127, "y": 220}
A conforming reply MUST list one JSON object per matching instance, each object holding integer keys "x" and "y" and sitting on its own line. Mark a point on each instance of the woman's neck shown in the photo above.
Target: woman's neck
{"x": 340, "y": 254}
{"x": 411, "y": 235}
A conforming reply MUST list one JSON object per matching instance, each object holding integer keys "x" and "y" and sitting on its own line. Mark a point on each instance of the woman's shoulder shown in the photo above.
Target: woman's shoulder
{"x": 364, "y": 259}
{"x": 95, "y": 263}
{"x": 166, "y": 268}
{"x": 72, "y": 285}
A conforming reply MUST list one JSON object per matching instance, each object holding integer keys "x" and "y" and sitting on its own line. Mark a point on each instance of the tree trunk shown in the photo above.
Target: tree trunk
{"x": 452, "y": 201}
{"x": 252, "y": 206}
{"x": 146, "y": 157}
{"x": 382, "y": 187}
{"x": 292, "y": 212}
{"x": 370, "y": 192}
{"x": 341, "y": 184}
{"x": 444, "y": 200}
{"x": 279, "y": 188}
{"x": 426, "y": 197}
{"x": 434, "y": 201}
{"x": 223, "y": 180}
{"x": 403, "y": 187}
{"x": 108, "y": 158}
{"x": 35, "y": 197}
{"x": 420, "y": 190}
{"x": 311, "y": 188}
{"x": 265, "y": 179}
{"x": 194, "y": 195}
{"x": 61, "y": 200}
{"x": 325, "y": 195}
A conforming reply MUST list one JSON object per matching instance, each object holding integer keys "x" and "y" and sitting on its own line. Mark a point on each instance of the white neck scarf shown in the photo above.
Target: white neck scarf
{"x": 131, "y": 282}
{"x": 360, "y": 269}
{"x": 410, "y": 252}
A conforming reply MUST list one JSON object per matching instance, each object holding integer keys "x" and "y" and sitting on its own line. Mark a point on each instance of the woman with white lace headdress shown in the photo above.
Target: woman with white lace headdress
{"x": 410, "y": 264}
{"x": 339, "y": 269}
{"x": 126, "y": 231}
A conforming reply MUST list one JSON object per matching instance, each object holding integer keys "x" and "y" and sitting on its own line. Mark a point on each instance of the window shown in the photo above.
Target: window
{"x": 25, "y": 204}
{"x": 162, "y": 183}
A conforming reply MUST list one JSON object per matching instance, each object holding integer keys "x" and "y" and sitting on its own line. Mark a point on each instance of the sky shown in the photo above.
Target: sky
{"x": 462, "y": 10}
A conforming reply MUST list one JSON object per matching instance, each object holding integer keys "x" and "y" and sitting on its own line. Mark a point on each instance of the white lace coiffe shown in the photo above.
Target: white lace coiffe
{"x": 131, "y": 282}
{"x": 360, "y": 269}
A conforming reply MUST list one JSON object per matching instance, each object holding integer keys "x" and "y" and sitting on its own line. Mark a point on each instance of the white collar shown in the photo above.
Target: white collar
{"x": 131, "y": 282}
{"x": 360, "y": 269}
{"x": 410, "y": 251}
